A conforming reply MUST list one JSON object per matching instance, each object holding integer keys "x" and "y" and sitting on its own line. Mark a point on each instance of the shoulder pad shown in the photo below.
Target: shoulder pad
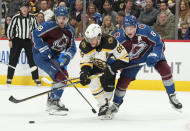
{"x": 85, "y": 47}
{"x": 108, "y": 42}
{"x": 142, "y": 26}
{"x": 120, "y": 35}
{"x": 46, "y": 25}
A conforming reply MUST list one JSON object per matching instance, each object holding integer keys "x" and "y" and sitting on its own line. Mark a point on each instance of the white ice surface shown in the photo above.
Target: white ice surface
{"x": 141, "y": 111}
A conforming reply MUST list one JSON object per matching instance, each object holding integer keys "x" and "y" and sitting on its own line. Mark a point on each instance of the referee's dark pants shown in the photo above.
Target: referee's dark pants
{"x": 18, "y": 45}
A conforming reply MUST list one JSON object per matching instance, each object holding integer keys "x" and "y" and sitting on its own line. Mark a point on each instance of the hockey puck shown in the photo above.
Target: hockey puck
{"x": 31, "y": 122}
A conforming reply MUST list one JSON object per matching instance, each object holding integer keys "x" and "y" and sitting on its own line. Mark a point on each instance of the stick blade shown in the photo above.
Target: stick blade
{"x": 46, "y": 80}
{"x": 12, "y": 99}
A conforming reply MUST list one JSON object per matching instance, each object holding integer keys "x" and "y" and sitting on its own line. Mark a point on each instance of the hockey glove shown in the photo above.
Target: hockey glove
{"x": 45, "y": 51}
{"x": 64, "y": 59}
{"x": 152, "y": 59}
{"x": 84, "y": 78}
{"x": 108, "y": 72}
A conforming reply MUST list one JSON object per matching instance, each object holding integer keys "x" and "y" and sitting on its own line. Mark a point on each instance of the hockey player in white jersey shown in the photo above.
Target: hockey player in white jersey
{"x": 96, "y": 48}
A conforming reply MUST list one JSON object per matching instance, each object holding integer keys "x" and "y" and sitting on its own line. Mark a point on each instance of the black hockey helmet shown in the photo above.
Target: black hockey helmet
{"x": 24, "y": 3}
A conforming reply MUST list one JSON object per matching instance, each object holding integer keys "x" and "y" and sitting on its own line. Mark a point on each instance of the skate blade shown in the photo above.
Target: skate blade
{"x": 178, "y": 110}
{"x": 57, "y": 113}
{"x": 105, "y": 117}
{"x": 108, "y": 116}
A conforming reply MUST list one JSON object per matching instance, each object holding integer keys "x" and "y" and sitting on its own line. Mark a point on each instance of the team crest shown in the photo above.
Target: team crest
{"x": 121, "y": 5}
{"x": 61, "y": 43}
{"x": 116, "y": 35}
{"x": 110, "y": 40}
{"x": 137, "y": 49}
{"x": 83, "y": 44}
{"x": 142, "y": 26}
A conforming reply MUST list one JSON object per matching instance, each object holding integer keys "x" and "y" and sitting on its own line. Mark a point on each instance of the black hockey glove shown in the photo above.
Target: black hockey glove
{"x": 108, "y": 72}
{"x": 84, "y": 78}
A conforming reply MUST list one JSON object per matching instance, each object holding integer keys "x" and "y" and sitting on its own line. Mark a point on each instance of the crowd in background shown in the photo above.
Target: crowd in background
{"x": 109, "y": 14}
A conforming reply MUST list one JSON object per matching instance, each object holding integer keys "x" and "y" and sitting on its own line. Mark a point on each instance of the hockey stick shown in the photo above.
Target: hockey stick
{"x": 14, "y": 100}
{"x": 57, "y": 66}
{"x": 136, "y": 65}
{"x": 33, "y": 68}
{"x": 44, "y": 79}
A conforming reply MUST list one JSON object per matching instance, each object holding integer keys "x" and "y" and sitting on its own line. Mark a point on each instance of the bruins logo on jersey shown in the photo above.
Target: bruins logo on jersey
{"x": 110, "y": 40}
{"x": 83, "y": 44}
{"x": 121, "y": 6}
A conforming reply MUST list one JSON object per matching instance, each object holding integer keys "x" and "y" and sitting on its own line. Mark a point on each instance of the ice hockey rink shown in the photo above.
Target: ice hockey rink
{"x": 141, "y": 111}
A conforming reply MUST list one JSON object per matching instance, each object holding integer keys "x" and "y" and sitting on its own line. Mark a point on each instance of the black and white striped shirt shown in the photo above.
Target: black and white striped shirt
{"x": 21, "y": 27}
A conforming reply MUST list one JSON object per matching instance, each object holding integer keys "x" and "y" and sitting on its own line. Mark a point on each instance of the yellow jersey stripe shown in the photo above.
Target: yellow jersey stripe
{"x": 92, "y": 51}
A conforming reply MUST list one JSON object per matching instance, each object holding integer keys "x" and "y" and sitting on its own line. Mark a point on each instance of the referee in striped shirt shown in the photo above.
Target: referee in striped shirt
{"x": 19, "y": 33}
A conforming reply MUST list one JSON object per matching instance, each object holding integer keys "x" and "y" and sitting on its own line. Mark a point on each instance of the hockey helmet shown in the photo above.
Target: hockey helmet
{"x": 61, "y": 11}
{"x": 129, "y": 20}
{"x": 93, "y": 31}
{"x": 25, "y": 4}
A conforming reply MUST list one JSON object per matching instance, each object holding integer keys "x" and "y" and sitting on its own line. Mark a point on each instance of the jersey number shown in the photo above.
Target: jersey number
{"x": 119, "y": 49}
{"x": 40, "y": 28}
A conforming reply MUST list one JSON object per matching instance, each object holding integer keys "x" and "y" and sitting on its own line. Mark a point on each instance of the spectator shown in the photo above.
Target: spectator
{"x": 119, "y": 18}
{"x": 93, "y": 14}
{"x": 187, "y": 34}
{"x": 62, "y": 3}
{"x": 32, "y": 8}
{"x": 79, "y": 28}
{"x": 107, "y": 25}
{"x": 45, "y": 9}
{"x": 99, "y": 5}
{"x": 148, "y": 15}
{"x": 40, "y": 17}
{"x": 140, "y": 3}
{"x": 171, "y": 6}
{"x": 118, "y": 5}
{"x": 73, "y": 22}
{"x": 131, "y": 8}
{"x": 164, "y": 27}
{"x": 109, "y": 11}
{"x": 7, "y": 22}
{"x": 4, "y": 11}
{"x": 164, "y": 8}
{"x": 184, "y": 16}
{"x": 79, "y": 8}
{"x": 59, "y": 3}
{"x": 13, "y": 7}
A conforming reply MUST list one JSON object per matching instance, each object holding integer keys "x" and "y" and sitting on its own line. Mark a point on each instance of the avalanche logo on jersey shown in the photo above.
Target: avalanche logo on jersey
{"x": 61, "y": 43}
{"x": 137, "y": 49}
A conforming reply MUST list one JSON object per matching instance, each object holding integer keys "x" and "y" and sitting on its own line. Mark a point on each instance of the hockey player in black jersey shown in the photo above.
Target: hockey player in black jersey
{"x": 96, "y": 48}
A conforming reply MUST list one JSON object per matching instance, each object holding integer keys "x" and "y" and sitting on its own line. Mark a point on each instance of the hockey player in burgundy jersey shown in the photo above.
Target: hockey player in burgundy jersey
{"x": 54, "y": 39}
{"x": 143, "y": 45}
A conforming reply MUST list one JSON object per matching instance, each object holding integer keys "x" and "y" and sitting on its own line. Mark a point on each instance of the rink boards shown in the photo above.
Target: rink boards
{"x": 177, "y": 53}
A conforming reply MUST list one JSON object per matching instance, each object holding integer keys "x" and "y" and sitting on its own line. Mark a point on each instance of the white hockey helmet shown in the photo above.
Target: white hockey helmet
{"x": 93, "y": 31}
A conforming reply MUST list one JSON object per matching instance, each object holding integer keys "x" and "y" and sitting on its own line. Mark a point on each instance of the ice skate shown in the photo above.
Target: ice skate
{"x": 38, "y": 82}
{"x": 56, "y": 107}
{"x": 103, "y": 112}
{"x": 9, "y": 82}
{"x": 175, "y": 102}
{"x": 113, "y": 109}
